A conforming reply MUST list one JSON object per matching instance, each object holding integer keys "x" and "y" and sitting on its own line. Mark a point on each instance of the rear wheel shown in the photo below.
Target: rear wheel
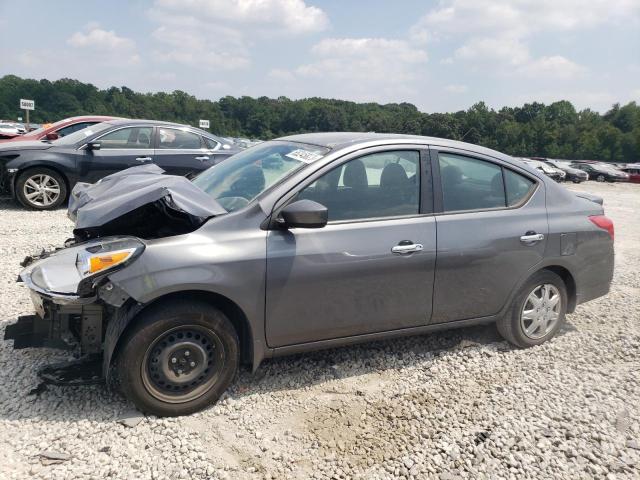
{"x": 537, "y": 312}
{"x": 41, "y": 189}
{"x": 178, "y": 359}
{"x": 600, "y": 178}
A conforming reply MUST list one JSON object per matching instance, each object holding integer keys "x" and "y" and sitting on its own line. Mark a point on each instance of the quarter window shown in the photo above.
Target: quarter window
{"x": 211, "y": 144}
{"x": 517, "y": 187}
{"x": 470, "y": 184}
{"x": 378, "y": 185}
{"x": 134, "y": 137}
{"x": 171, "y": 138}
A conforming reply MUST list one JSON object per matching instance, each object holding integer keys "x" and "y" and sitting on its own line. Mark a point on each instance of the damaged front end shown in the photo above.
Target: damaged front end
{"x": 74, "y": 302}
{"x": 77, "y": 307}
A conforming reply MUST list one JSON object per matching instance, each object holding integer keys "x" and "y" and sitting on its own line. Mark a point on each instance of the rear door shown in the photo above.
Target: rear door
{"x": 180, "y": 151}
{"x": 119, "y": 149}
{"x": 492, "y": 229}
{"x": 370, "y": 269}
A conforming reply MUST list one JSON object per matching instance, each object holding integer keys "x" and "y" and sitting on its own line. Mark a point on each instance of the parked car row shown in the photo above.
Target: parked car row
{"x": 41, "y": 169}
{"x": 581, "y": 170}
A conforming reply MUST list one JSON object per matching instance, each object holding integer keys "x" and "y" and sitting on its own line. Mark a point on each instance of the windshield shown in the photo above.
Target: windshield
{"x": 80, "y": 135}
{"x": 237, "y": 181}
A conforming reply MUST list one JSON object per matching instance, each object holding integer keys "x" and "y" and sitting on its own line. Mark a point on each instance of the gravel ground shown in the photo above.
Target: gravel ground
{"x": 458, "y": 404}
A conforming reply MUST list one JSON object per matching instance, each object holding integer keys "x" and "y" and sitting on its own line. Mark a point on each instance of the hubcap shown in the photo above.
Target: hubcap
{"x": 541, "y": 311}
{"x": 183, "y": 364}
{"x": 41, "y": 190}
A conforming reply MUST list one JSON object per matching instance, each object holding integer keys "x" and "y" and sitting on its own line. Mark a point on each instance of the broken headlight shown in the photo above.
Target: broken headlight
{"x": 105, "y": 256}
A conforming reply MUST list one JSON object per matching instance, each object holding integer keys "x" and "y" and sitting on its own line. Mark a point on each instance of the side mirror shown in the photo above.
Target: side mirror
{"x": 52, "y": 136}
{"x": 93, "y": 146}
{"x": 304, "y": 214}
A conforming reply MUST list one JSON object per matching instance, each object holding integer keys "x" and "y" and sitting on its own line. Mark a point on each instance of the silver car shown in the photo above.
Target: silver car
{"x": 306, "y": 242}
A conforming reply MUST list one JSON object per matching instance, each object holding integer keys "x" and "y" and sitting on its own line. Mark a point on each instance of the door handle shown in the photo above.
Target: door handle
{"x": 407, "y": 248}
{"x": 203, "y": 158}
{"x": 531, "y": 238}
{"x": 143, "y": 159}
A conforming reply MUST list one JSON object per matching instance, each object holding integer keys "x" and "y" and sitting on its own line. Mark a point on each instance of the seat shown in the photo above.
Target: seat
{"x": 355, "y": 175}
{"x": 451, "y": 182}
{"x": 143, "y": 139}
{"x": 397, "y": 193}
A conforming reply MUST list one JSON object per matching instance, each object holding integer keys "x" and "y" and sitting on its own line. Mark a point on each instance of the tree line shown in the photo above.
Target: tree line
{"x": 556, "y": 130}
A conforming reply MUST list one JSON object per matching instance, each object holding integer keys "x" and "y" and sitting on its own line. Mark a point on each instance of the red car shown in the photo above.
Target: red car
{"x": 59, "y": 129}
{"x": 634, "y": 172}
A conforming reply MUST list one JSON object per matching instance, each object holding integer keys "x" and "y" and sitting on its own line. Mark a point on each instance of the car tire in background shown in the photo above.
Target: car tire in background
{"x": 537, "y": 311}
{"x": 41, "y": 188}
{"x": 600, "y": 178}
{"x": 179, "y": 357}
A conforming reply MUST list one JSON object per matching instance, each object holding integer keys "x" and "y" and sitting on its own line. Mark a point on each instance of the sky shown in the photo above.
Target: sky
{"x": 441, "y": 55}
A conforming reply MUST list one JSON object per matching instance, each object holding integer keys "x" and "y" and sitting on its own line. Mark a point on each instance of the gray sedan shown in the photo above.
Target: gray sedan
{"x": 307, "y": 242}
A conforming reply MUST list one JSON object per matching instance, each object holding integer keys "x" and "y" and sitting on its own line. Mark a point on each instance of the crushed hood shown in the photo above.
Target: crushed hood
{"x": 139, "y": 201}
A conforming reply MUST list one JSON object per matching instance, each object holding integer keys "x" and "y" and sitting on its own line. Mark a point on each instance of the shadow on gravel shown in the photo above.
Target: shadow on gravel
{"x": 7, "y": 203}
{"x": 97, "y": 403}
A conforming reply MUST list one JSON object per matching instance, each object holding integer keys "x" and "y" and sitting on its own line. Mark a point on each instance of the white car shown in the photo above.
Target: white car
{"x": 8, "y": 130}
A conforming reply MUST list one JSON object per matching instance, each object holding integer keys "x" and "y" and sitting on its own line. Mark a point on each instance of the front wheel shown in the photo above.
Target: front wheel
{"x": 41, "y": 189}
{"x": 179, "y": 358}
{"x": 537, "y": 312}
{"x": 600, "y": 178}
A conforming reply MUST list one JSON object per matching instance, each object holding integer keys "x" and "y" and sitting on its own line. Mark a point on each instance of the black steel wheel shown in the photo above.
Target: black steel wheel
{"x": 183, "y": 363}
{"x": 178, "y": 358}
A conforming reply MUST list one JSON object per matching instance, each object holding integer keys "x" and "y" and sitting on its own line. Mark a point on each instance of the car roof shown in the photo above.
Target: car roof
{"x": 340, "y": 140}
{"x": 160, "y": 123}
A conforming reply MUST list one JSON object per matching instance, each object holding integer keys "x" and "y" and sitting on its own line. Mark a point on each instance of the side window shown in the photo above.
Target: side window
{"x": 172, "y": 138}
{"x": 134, "y": 137}
{"x": 377, "y": 185}
{"x": 64, "y": 131}
{"x": 470, "y": 184}
{"x": 517, "y": 186}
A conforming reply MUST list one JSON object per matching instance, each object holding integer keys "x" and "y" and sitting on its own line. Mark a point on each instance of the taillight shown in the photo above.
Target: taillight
{"x": 604, "y": 223}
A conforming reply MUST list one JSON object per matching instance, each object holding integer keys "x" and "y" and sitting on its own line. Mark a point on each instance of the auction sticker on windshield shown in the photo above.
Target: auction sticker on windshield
{"x": 304, "y": 155}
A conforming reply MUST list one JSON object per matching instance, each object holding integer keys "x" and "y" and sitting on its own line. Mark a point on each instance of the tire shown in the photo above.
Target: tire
{"x": 576, "y": 180}
{"x": 168, "y": 338}
{"x": 517, "y": 329}
{"x": 600, "y": 178}
{"x": 41, "y": 189}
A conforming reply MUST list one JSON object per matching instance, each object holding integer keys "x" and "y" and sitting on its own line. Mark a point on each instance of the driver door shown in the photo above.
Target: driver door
{"x": 371, "y": 268}
{"x": 119, "y": 149}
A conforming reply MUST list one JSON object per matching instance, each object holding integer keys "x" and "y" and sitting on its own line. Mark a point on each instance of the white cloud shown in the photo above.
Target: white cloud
{"x": 496, "y": 34}
{"x": 555, "y": 66}
{"x": 281, "y": 74}
{"x": 500, "y": 49}
{"x": 97, "y": 38}
{"x": 456, "y": 88}
{"x": 219, "y": 34}
{"x": 520, "y": 17}
{"x": 114, "y": 48}
{"x": 363, "y": 69}
{"x": 222, "y": 49}
{"x": 293, "y": 15}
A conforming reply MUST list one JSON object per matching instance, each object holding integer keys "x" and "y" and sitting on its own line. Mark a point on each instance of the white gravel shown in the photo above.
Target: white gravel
{"x": 458, "y": 404}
